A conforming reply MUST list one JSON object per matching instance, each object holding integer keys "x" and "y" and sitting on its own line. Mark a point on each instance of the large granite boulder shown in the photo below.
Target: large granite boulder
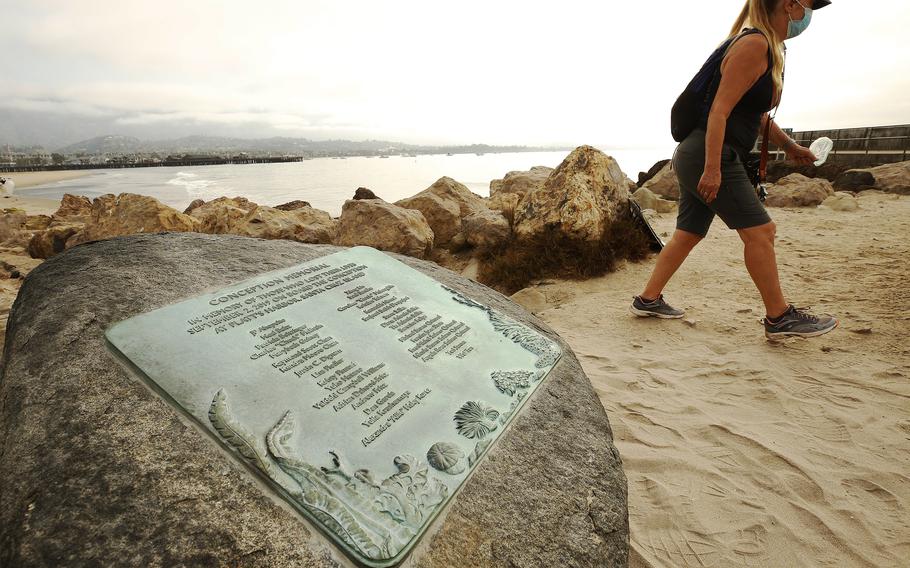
{"x": 130, "y": 213}
{"x": 581, "y": 197}
{"x": 220, "y": 215}
{"x": 521, "y": 182}
{"x": 96, "y": 469}
{"x": 891, "y": 178}
{"x": 385, "y": 226}
{"x": 444, "y": 204}
{"x": 74, "y": 208}
{"x": 664, "y": 183}
{"x": 53, "y": 240}
{"x": 796, "y": 190}
{"x": 239, "y": 216}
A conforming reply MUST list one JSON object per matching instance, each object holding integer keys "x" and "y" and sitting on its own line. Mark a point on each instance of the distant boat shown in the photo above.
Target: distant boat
{"x": 383, "y": 156}
{"x": 7, "y": 186}
{"x": 479, "y": 154}
{"x": 450, "y": 154}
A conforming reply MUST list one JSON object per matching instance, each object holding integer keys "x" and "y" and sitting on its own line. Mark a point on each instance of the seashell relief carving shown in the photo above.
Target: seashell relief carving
{"x": 476, "y": 419}
{"x": 446, "y": 457}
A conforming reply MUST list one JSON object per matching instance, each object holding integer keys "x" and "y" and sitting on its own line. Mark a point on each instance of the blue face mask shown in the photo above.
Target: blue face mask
{"x": 794, "y": 28}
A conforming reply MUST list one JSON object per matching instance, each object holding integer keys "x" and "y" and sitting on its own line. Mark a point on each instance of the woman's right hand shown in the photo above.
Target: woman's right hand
{"x": 709, "y": 184}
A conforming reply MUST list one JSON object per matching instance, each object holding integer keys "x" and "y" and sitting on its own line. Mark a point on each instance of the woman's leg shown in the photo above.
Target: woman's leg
{"x": 761, "y": 262}
{"x": 669, "y": 260}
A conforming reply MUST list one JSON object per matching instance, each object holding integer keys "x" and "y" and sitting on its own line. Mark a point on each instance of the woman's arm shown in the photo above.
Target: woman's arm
{"x": 744, "y": 64}
{"x": 795, "y": 152}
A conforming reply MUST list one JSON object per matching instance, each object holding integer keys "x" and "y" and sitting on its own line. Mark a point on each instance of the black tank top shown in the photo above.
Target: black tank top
{"x": 744, "y": 121}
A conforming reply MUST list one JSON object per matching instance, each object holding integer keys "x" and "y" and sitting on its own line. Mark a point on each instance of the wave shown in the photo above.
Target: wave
{"x": 195, "y": 188}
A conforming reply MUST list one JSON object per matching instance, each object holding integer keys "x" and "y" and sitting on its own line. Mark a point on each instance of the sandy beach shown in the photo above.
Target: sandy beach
{"x": 31, "y": 179}
{"x": 745, "y": 452}
{"x": 36, "y": 205}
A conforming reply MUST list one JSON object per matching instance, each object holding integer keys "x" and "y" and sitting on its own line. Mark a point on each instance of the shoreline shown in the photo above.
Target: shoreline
{"x": 32, "y": 179}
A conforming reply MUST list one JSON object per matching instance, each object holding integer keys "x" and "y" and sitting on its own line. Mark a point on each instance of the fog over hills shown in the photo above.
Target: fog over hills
{"x": 105, "y": 135}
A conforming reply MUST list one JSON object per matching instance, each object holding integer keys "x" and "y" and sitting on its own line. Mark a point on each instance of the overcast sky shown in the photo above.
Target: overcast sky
{"x": 495, "y": 71}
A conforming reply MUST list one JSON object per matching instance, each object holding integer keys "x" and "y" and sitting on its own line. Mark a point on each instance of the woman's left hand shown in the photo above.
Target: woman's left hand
{"x": 800, "y": 154}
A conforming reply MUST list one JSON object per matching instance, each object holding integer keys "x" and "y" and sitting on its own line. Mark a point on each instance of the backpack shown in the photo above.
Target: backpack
{"x": 694, "y": 102}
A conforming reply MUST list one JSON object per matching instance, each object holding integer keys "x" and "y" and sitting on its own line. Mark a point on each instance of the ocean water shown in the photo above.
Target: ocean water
{"x": 325, "y": 182}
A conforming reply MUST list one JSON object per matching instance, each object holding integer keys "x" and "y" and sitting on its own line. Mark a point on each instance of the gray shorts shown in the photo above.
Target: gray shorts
{"x": 737, "y": 202}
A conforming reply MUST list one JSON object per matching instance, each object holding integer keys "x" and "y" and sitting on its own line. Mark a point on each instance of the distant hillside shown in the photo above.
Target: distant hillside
{"x": 112, "y": 144}
{"x": 104, "y": 145}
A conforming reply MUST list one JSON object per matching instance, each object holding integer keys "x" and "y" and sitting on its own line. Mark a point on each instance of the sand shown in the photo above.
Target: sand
{"x": 31, "y": 179}
{"x": 745, "y": 452}
{"x": 36, "y": 205}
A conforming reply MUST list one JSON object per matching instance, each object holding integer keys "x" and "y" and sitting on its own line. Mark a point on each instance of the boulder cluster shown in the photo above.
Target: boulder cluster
{"x": 793, "y": 186}
{"x": 580, "y": 198}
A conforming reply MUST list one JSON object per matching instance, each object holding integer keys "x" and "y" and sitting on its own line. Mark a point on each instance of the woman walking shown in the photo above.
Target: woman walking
{"x": 712, "y": 177}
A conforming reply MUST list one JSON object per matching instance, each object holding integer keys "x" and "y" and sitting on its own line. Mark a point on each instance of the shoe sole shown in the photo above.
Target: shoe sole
{"x": 783, "y": 334}
{"x": 644, "y": 314}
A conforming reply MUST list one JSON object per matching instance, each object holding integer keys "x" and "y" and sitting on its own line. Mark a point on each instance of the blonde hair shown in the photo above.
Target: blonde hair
{"x": 758, "y": 14}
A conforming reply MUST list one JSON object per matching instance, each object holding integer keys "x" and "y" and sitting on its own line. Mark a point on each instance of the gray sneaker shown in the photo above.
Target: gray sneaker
{"x": 798, "y": 322}
{"x": 657, "y": 308}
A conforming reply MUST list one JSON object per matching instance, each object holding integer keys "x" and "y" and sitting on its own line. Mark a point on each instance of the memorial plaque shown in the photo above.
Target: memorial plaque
{"x": 363, "y": 391}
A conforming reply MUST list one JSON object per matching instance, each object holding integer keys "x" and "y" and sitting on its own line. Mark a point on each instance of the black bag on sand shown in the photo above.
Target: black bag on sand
{"x": 693, "y": 103}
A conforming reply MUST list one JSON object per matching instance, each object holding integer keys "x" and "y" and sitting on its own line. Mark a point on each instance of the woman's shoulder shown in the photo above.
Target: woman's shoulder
{"x": 753, "y": 41}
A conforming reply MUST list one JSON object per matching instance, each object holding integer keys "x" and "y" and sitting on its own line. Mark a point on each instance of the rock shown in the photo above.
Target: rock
{"x": 239, "y": 216}
{"x": 129, "y": 213}
{"x": 457, "y": 243}
{"x": 77, "y": 206}
{"x": 194, "y": 204}
{"x": 664, "y": 183}
{"x": 582, "y": 197}
{"x": 854, "y": 180}
{"x": 780, "y": 169}
{"x": 305, "y": 225}
{"x": 505, "y": 203}
{"x": 645, "y": 176}
{"x": 485, "y": 229}
{"x": 842, "y": 201}
{"x": 891, "y": 178}
{"x": 53, "y": 240}
{"x": 647, "y": 200}
{"x": 17, "y": 228}
{"x": 292, "y": 205}
{"x": 12, "y": 223}
{"x": 443, "y": 204}
{"x": 796, "y": 190}
{"x": 520, "y": 182}
{"x": 385, "y": 226}
{"x": 364, "y": 193}
{"x": 37, "y": 222}
{"x": 95, "y": 465}
{"x": 219, "y": 216}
